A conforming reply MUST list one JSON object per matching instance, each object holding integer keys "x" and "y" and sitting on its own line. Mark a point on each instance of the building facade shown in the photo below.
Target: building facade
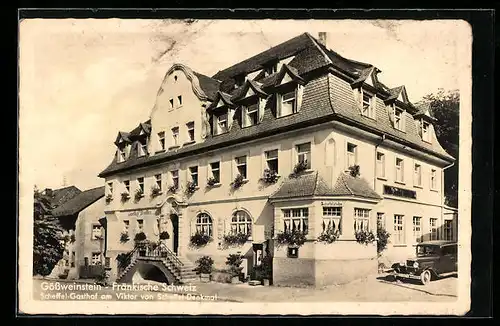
{"x": 296, "y": 138}
{"x": 82, "y": 217}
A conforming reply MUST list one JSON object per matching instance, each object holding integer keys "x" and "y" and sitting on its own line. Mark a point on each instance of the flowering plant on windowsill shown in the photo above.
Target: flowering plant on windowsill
{"x": 291, "y": 238}
{"x": 212, "y": 182}
{"x": 109, "y": 198}
{"x": 354, "y": 170}
{"x": 172, "y": 189}
{"x": 300, "y": 167}
{"x": 237, "y": 239}
{"x": 364, "y": 237}
{"x": 138, "y": 194}
{"x": 200, "y": 239}
{"x": 191, "y": 187}
{"x": 155, "y": 191}
{"x": 238, "y": 182}
{"x": 270, "y": 176}
{"x": 125, "y": 196}
{"x": 330, "y": 235}
{"x": 124, "y": 237}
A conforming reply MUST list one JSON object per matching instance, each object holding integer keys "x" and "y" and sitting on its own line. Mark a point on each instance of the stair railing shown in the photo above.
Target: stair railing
{"x": 129, "y": 259}
{"x": 160, "y": 250}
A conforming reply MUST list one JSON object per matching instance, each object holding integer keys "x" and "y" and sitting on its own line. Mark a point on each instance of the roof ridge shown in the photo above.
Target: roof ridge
{"x": 345, "y": 183}
{"x": 315, "y": 42}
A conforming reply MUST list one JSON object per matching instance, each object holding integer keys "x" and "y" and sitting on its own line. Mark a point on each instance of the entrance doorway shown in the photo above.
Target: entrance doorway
{"x": 175, "y": 230}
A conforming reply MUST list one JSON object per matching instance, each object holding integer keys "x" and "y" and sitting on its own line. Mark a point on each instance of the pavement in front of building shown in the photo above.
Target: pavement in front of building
{"x": 373, "y": 288}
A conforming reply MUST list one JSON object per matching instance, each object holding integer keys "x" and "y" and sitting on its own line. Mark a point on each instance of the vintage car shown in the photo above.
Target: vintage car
{"x": 432, "y": 259}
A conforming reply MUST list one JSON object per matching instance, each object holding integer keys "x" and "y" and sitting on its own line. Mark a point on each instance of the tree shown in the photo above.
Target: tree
{"x": 445, "y": 106}
{"x": 48, "y": 241}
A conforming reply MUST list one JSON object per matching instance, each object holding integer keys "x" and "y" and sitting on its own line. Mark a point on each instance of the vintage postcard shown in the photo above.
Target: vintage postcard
{"x": 244, "y": 166}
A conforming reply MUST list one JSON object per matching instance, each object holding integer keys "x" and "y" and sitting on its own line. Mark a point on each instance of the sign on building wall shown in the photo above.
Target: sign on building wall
{"x": 399, "y": 192}
{"x": 142, "y": 212}
{"x": 331, "y": 203}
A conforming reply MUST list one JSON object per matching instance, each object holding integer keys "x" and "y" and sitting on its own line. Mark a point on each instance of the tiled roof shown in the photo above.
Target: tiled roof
{"x": 209, "y": 85}
{"x": 309, "y": 55}
{"x": 256, "y": 62}
{"x": 314, "y": 106}
{"x": 79, "y": 202}
{"x": 345, "y": 107}
{"x": 348, "y": 185}
{"x": 312, "y": 184}
{"x": 62, "y": 195}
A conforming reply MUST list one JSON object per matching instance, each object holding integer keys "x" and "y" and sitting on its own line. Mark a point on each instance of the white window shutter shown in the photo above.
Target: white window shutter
{"x": 230, "y": 118}
{"x": 391, "y": 114}
{"x": 220, "y": 228}
{"x": 278, "y": 105}
{"x": 262, "y": 106}
{"x": 127, "y": 150}
{"x": 298, "y": 96}
{"x": 244, "y": 116}
{"x": 358, "y": 98}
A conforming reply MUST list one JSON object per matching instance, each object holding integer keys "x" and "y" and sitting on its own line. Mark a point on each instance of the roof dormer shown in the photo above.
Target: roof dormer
{"x": 367, "y": 77}
{"x": 250, "y": 89}
{"x": 288, "y": 75}
{"x": 221, "y": 100}
{"x": 397, "y": 94}
{"x": 122, "y": 138}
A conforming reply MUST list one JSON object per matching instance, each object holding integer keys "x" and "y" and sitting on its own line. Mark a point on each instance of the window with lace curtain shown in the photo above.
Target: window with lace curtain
{"x": 332, "y": 217}
{"x": 296, "y": 219}
{"x": 241, "y": 222}
{"x": 361, "y": 219}
{"x": 203, "y": 224}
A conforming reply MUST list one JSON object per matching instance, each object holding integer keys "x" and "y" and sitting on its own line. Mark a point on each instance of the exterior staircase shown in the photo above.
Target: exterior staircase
{"x": 177, "y": 270}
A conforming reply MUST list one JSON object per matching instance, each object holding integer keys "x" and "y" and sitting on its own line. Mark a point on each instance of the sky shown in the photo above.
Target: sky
{"x": 82, "y": 81}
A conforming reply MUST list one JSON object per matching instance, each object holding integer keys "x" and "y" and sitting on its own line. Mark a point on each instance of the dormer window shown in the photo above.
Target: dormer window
{"x": 368, "y": 104}
{"x": 287, "y": 104}
{"x": 122, "y": 154}
{"x": 399, "y": 122}
{"x": 143, "y": 147}
{"x": 239, "y": 81}
{"x": 250, "y": 115}
{"x": 220, "y": 124}
{"x": 270, "y": 69}
{"x": 426, "y": 132}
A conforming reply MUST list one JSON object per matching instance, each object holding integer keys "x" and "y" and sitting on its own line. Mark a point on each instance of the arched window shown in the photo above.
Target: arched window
{"x": 241, "y": 222}
{"x": 204, "y": 224}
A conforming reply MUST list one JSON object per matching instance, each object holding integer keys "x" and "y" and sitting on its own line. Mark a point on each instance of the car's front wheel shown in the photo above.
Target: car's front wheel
{"x": 426, "y": 277}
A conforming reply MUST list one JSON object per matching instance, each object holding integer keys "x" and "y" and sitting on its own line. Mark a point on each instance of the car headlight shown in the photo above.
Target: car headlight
{"x": 415, "y": 265}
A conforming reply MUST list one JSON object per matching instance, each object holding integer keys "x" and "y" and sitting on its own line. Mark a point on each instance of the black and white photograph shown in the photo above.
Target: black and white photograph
{"x": 194, "y": 166}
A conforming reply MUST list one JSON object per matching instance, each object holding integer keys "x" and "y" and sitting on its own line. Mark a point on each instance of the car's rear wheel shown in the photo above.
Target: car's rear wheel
{"x": 426, "y": 277}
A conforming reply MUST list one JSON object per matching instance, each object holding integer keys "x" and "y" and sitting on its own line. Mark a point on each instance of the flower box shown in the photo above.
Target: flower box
{"x": 269, "y": 176}
{"x": 238, "y": 182}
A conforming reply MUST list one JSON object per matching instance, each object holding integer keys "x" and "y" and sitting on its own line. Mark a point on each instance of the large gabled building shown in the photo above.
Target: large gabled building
{"x": 218, "y": 156}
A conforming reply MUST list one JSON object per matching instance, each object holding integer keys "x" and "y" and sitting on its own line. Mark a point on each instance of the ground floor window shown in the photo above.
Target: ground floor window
{"x": 381, "y": 220}
{"x": 296, "y": 219}
{"x": 433, "y": 229}
{"x": 417, "y": 229}
{"x": 448, "y": 230}
{"x": 96, "y": 258}
{"x": 241, "y": 223}
{"x": 204, "y": 224}
{"x": 399, "y": 231}
{"x": 332, "y": 217}
{"x": 361, "y": 219}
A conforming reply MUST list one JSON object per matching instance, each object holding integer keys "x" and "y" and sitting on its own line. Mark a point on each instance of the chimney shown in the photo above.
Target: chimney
{"x": 48, "y": 192}
{"x": 322, "y": 38}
